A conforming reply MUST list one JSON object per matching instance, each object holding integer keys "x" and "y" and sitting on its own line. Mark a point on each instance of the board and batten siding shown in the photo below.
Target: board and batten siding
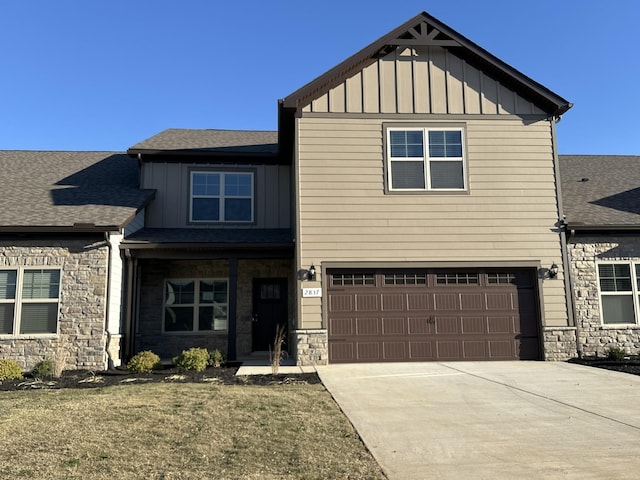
{"x": 421, "y": 80}
{"x": 170, "y": 209}
{"x": 508, "y": 214}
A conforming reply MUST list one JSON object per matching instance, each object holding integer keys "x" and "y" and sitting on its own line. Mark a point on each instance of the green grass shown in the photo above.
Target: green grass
{"x": 180, "y": 431}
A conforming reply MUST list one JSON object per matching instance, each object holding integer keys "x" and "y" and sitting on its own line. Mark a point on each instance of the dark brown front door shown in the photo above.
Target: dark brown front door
{"x": 422, "y": 315}
{"x": 269, "y": 310}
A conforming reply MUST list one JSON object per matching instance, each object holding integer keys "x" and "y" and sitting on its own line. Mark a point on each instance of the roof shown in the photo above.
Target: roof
{"x": 224, "y": 142}
{"x": 68, "y": 191}
{"x": 425, "y": 30}
{"x": 601, "y": 192}
{"x": 193, "y": 237}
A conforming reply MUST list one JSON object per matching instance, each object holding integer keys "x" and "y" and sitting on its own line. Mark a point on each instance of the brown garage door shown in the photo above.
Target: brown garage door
{"x": 422, "y": 315}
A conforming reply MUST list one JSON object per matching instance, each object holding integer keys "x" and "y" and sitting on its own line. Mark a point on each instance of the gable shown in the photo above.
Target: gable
{"x": 411, "y": 67}
{"x": 422, "y": 79}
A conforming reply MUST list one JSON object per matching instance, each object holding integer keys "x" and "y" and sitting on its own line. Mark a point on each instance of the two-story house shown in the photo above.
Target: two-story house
{"x": 407, "y": 209}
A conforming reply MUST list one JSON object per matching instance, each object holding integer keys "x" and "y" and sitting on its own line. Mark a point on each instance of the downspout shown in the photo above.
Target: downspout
{"x": 127, "y": 330}
{"x": 579, "y": 346}
{"x": 566, "y": 257}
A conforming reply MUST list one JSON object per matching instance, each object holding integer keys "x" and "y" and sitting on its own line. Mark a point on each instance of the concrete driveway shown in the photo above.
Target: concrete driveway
{"x": 493, "y": 420}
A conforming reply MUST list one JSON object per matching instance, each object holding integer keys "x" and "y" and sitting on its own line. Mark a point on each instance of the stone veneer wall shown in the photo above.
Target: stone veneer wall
{"x": 80, "y": 341}
{"x": 596, "y": 338}
{"x": 559, "y": 343}
{"x": 312, "y": 347}
{"x": 149, "y": 334}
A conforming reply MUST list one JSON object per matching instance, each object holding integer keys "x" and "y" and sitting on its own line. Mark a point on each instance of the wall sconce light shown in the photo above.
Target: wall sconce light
{"x": 553, "y": 270}
{"x": 311, "y": 273}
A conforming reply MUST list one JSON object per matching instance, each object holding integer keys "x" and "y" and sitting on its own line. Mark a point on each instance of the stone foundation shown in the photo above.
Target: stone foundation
{"x": 312, "y": 347}
{"x": 559, "y": 343}
{"x": 80, "y": 340}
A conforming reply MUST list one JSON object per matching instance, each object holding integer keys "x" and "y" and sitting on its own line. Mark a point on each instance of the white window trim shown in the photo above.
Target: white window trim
{"x": 18, "y": 301}
{"x": 195, "y": 306}
{"x": 426, "y": 159}
{"x": 222, "y": 197}
{"x": 635, "y": 292}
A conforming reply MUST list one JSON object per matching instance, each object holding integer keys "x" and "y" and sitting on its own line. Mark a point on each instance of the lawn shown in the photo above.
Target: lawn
{"x": 168, "y": 431}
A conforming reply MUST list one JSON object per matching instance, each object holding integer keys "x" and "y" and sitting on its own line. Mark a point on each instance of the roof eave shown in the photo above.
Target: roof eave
{"x": 581, "y": 227}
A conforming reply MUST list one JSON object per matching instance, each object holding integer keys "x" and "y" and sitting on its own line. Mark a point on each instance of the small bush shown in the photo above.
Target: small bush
{"x": 9, "y": 370}
{"x": 216, "y": 359}
{"x": 143, "y": 362}
{"x": 43, "y": 369}
{"x": 616, "y": 353}
{"x": 193, "y": 359}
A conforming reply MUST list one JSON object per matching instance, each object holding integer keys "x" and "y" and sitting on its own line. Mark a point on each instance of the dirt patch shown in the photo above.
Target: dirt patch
{"x": 91, "y": 379}
{"x": 628, "y": 365}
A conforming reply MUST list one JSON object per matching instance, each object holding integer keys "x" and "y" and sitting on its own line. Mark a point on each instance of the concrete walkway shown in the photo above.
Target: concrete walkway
{"x": 493, "y": 420}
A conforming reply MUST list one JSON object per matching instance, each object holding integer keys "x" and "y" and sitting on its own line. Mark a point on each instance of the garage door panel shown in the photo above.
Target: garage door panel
{"x": 369, "y": 351}
{"x": 419, "y": 301}
{"x": 500, "y": 301}
{"x": 443, "y": 316}
{"x": 474, "y": 325}
{"x": 341, "y": 303}
{"x": 394, "y": 326}
{"x": 341, "y": 327}
{"x": 446, "y": 301}
{"x": 395, "y": 351}
{"x": 367, "y": 303}
{"x": 393, "y": 302}
{"x": 447, "y": 325}
{"x": 421, "y": 351}
{"x": 472, "y": 301}
{"x": 367, "y": 326}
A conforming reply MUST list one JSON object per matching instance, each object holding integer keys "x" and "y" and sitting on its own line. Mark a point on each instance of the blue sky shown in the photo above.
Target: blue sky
{"x": 105, "y": 75}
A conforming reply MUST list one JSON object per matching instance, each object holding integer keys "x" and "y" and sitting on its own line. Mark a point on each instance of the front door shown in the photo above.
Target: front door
{"x": 270, "y": 301}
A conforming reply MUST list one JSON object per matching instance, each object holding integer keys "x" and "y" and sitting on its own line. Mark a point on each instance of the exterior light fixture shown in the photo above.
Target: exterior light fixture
{"x": 553, "y": 270}
{"x": 311, "y": 273}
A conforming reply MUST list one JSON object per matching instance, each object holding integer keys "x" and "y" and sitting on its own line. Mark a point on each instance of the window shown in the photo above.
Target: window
{"x": 195, "y": 305}
{"x": 618, "y": 292}
{"x": 423, "y": 159}
{"x": 347, "y": 279}
{"x": 29, "y": 301}
{"x": 456, "y": 279}
{"x": 221, "y": 197}
{"x": 405, "y": 279}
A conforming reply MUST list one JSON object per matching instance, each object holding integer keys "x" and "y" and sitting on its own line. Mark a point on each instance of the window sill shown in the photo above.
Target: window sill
{"x": 31, "y": 336}
{"x": 620, "y": 326}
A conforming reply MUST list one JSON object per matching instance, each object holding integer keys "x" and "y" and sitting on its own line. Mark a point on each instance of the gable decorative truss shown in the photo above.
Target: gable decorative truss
{"x": 426, "y": 31}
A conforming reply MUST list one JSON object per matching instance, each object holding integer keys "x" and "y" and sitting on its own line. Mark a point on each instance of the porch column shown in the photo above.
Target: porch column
{"x": 233, "y": 298}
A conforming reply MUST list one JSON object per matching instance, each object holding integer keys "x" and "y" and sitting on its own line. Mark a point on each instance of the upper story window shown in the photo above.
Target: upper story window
{"x": 425, "y": 159}
{"x": 29, "y": 301}
{"x": 221, "y": 197}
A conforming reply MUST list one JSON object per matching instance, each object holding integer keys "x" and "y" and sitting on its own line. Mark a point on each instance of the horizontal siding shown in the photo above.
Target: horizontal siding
{"x": 421, "y": 80}
{"x": 508, "y": 214}
{"x": 170, "y": 209}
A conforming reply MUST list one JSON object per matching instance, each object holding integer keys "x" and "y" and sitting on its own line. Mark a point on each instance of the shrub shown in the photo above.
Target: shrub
{"x": 193, "y": 359}
{"x": 43, "y": 369}
{"x": 143, "y": 362}
{"x": 9, "y": 370}
{"x": 216, "y": 359}
{"x": 616, "y": 353}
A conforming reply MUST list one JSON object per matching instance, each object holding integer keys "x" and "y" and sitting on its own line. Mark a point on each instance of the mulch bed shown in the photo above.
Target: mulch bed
{"x": 628, "y": 365}
{"x": 225, "y": 375}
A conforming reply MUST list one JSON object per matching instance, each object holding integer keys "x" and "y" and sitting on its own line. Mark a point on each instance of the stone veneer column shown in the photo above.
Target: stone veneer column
{"x": 312, "y": 347}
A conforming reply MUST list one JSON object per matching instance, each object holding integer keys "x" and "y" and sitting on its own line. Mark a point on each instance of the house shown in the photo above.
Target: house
{"x": 601, "y": 196}
{"x": 63, "y": 217}
{"x": 407, "y": 209}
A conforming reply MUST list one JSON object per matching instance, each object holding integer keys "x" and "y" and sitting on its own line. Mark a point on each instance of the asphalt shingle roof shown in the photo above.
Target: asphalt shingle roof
{"x": 601, "y": 190}
{"x": 60, "y": 189}
{"x": 248, "y": 142}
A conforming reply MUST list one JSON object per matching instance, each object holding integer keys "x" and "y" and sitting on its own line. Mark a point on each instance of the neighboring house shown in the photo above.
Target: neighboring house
{"x": 601, "y": 195}
{"x": 63, "y": 216}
